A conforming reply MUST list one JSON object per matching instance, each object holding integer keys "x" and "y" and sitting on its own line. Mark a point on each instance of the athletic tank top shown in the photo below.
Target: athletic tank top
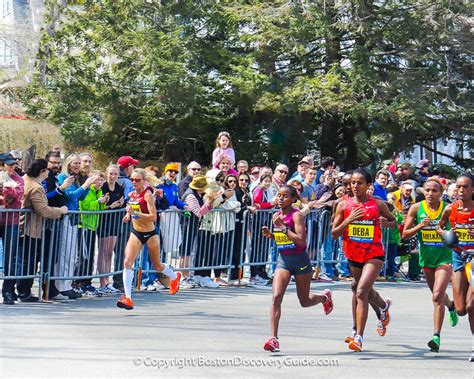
{"x": 427, "y": 236}
{"x": 285, "y": 245}
{"x": 461, "y": 222}
{"x": 432, "y": 251}
{"x": 138, "y": 202}
{"x": 362, "y": 240}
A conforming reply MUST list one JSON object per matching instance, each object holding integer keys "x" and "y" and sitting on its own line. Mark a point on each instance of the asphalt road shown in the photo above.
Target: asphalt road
{"x": 221, "y": 332}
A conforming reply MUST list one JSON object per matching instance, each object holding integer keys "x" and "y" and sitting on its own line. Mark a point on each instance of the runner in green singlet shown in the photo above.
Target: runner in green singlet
{"x": 435, "y": 259}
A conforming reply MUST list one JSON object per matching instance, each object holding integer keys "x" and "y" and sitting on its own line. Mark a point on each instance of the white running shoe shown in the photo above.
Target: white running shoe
{"x": 208, "y": 282}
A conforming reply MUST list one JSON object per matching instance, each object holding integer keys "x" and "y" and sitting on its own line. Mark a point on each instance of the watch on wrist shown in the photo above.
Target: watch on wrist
{"x": 284, "y": 229}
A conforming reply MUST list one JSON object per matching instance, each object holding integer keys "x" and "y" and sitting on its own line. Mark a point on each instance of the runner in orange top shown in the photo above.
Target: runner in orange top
{"x": 142, "y": 211}
{"x": 460, "y": 214}
{"x": 358, "y": 220}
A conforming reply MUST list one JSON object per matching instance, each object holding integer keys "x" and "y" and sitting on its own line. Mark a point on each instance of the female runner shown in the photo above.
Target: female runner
{"x": 422, "y": 220}
{"x": 142, "y": 211}
{"x": 358, "y": 219}
{"x": 461, "y": 216}
{"x": 290, "y": 237}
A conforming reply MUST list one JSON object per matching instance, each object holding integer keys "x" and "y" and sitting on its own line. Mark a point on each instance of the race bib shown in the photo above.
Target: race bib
{"x": 361, "y": 232}
{"x": 429, "y": 237}
{"x": 282, "y": 241}
{"x": 135, "y": 205}
{"x": 464, "y": 238}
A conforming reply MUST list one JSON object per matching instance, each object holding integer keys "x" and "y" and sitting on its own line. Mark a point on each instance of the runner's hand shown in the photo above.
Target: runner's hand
{"x": 158, "y": 193}
{"x": 278, "y": 220}
{"x": 384, "y": 223}
{"x": 426, "y": 221}
{"x": 266, "y": 232}
{"x": 356, "y": 214}
{"x": 126, "y": 218}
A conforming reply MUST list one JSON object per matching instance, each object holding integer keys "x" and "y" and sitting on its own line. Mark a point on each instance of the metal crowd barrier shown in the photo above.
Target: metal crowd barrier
{"x": 82, "y": 246}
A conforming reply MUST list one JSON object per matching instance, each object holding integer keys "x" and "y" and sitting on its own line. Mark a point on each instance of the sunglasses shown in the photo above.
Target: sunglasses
{"x": 135, "y": 180}
{"x": 195, "y": 169}
{"x": 232, "y": 181}
{"x": 244, "y": 180}
{"x": 220, "y": 180}
{"x": 283, "y": 171}
{"x": 173, "y": 171}
{"x": 256, "y": 173}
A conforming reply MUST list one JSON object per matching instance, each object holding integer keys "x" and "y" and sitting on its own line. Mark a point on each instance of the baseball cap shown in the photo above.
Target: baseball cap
{"x": 126, "y": 161}
{"x": 7, "y": 158}
{"x": 306, "y": 160}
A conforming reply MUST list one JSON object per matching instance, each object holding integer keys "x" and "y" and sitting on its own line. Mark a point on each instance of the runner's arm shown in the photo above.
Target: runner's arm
{"x": 339, "y": 224}
{"x": 444, "y": 219}
{"x": 299, "y": 235}
{"x": 410, "y": 228}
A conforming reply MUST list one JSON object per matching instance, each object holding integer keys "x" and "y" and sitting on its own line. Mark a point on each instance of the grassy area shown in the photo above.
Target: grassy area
{"x": 21, "y": 135}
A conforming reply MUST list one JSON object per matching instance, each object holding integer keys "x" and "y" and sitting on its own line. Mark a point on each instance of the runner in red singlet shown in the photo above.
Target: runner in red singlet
{"x": 460, "y": 214}
{"x": 358, "y": 219}
{"x": 142, "y": 211}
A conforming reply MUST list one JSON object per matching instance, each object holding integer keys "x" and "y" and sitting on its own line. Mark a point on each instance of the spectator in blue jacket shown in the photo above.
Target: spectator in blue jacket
{"x": 169, "y": 186}
{"x": 380, "y": 185}
{"x": 68, "y": 246}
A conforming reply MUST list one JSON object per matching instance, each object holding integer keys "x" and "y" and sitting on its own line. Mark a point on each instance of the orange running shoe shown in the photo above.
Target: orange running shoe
{"x": 385, "y": 315}
{"x": 174, "y": 284}
{"x": 350, "y": 338}
{"x": 381, "y": 329}
{"x": 355, "y": 345}
{"x": 125, "y": 302}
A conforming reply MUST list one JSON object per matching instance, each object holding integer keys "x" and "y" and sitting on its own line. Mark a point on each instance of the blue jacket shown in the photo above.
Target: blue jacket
{"x": 126, "y": 183}
{"x": 170, "y": 193}
{"x": 379, "y": 191}
{"x": 73, "y": 194}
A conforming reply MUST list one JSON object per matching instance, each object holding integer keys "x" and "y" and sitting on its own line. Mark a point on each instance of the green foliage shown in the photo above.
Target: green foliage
{"x": 160, "y": 79}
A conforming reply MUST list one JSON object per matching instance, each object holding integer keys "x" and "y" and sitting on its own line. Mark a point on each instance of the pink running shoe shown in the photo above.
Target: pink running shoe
{"x": 272, "y": 345}
{"x": 328, "y": 304}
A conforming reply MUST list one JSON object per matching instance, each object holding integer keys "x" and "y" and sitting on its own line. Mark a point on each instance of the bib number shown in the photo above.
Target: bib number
{"x": 429, "y": 237}
{"x": 282, "y": 241}
{"x": 361, "y": 232}
{"x": 464, "y": 238}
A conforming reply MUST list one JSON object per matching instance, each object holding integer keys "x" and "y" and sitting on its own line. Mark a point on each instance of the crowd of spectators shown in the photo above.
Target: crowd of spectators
{"x": 88, "y": 237}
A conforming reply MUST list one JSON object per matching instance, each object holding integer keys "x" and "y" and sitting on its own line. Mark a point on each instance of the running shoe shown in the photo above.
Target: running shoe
{"x": 381, "y": 330}
{"x": 384, "y": 314}
{"x": 272, "y": 345}
{"x": 453, "y": 317}
{"x": 112, "y": 289}
{"x": 174, "y": 284}
{"x": 434, "y": 344}
{"x": 356, "y": 344}
{"x": 328, "y": 305}
{"x": 350, "y": 338}
{"x": 125, "y": 302}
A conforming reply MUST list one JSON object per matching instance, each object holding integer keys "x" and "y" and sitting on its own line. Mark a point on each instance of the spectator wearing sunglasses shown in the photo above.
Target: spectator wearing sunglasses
{"x": 169, "y": 186}
{"x": 279, "y": 177}
{"x": 194, "y": 169}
